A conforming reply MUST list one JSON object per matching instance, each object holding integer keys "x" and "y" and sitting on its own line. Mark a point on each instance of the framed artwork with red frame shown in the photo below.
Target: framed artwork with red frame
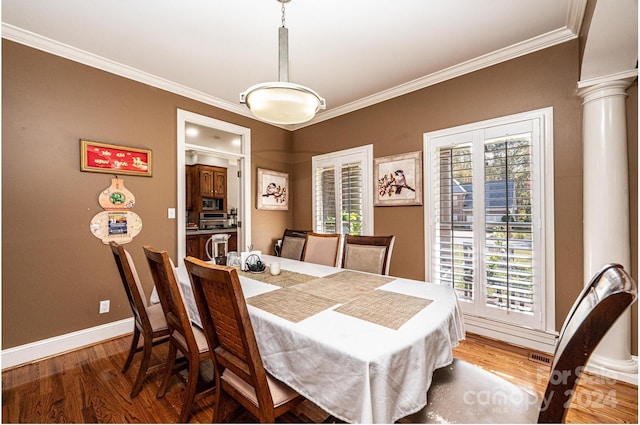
{"x": 113, "y": 159}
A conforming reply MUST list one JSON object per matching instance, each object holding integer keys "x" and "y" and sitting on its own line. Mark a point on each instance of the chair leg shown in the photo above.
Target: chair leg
{"x": 171, "y": 359}
{"x": 132, "y": 350}
{"x": 190, "y": 393}
{"x": 220, "y": 405}
{"x": 144, "y": 366}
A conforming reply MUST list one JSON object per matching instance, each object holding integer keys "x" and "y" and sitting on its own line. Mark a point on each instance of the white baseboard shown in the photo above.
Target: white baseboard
{"x": 516, "y": 335}
{"x": 59, "y": 344}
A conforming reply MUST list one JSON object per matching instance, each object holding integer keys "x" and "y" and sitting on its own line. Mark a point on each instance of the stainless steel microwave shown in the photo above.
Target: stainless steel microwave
{"x": 212, "y": 204}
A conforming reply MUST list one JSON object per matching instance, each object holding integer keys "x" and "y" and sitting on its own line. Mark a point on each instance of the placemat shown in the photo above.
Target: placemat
{"x": 384, "y": 308}
{"x": 373, "y": 281}
{"x": 291, "y": 304}
{"x": 285, "y": 279}
{"x": 334, "y": 289}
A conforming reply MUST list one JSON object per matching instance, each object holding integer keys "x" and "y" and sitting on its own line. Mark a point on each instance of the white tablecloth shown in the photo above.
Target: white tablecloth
{"x": 357, "y": 371}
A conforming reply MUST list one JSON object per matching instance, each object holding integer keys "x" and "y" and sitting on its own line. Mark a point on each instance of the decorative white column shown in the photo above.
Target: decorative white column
{"x": 606, "y": 211}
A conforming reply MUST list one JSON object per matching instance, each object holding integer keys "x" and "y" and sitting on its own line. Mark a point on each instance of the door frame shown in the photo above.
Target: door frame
{"x": 244, "y": 166}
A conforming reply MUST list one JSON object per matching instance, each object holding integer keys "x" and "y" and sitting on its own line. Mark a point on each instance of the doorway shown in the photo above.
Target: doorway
{"x": 227, "y": 144}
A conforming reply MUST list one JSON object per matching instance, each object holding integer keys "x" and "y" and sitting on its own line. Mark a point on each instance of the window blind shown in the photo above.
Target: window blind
{"x": 325, "y": 200}
{"x": 508, "y": 215}
{"x": 352, "y": 199}
{"x": 454, "y": 245}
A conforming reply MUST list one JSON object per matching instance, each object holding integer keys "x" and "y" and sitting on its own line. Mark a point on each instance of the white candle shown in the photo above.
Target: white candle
{"x": 274, "y": 268}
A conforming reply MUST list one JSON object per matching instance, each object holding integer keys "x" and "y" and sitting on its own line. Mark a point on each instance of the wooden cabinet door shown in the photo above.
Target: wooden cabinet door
{"x": 193, "y": 246}
{"x": 206, "y": 182}
{"x": 220, "y": 183}
{"x": 233, "y": 242}
{"x": 203, "y": 247}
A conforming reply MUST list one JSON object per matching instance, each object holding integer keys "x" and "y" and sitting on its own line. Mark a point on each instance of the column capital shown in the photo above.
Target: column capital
{"x": 606, "y": 89}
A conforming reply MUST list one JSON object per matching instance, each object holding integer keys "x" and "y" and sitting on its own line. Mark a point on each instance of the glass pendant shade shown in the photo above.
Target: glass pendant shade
{"x": 282, "y": 102}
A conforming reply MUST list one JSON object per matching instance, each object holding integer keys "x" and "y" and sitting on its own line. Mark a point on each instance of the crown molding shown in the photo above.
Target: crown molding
{"x": 514, "y": 51}
{"x": 48, "y": 45}
{"x": 575, "y": 15}
{"x": 543, "y": 41}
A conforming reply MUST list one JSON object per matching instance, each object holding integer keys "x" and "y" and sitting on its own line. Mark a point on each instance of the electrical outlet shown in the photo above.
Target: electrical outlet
{"x": 104, "y": 306}
{"x": 171, "y": 213}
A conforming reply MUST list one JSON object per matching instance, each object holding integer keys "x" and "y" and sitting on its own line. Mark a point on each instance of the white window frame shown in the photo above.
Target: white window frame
{"x": 364, "y": 154}
{"x": 546, "y": 222}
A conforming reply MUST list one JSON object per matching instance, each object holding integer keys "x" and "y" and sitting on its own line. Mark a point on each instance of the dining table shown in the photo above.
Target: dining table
{"x": 361, "y": 346}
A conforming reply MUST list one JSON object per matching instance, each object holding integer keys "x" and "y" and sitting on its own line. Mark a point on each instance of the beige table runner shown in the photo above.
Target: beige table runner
{"x": 285, "y": 279}
{"x": 384, "y": 308}
{"x": 291, "y": 304}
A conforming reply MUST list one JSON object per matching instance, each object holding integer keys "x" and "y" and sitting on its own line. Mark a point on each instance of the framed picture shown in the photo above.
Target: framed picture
{"x": 398, "y": 179}
{"x": 113, "y": 159}
{"x": 273, "y": 190}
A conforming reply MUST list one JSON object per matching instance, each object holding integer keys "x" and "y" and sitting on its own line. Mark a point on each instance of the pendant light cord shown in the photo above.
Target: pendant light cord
{"x": 282, "y": 8}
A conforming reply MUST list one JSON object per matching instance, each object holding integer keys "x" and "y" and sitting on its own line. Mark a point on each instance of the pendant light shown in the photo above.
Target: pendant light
{"x": 282, "y": 102}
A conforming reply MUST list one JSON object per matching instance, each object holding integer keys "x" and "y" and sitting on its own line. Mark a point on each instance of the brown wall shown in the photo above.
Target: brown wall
{"x": 55, "y": 272}
{"x": 539, "y": 80}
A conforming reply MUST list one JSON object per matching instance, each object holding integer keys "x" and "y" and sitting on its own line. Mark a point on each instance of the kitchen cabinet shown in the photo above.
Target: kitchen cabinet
{"x": 220, "y": 183}
{"x": 205, "y": 175}
{"x": 213, "y": 181}
{"x": 193, "y": 246}
{"x": 188, "y": 187}
{"x": 205, "y": 182}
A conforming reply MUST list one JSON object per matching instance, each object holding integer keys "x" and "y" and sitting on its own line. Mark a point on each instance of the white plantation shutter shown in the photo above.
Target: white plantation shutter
{"x": 454, "y": 250}
{"x": 325, "y": 200}
{"x": 508, "y": 213}
{"x": 352, "y": 199}
{"x": 486, "y": 216}
{"x": 342, "y": 189}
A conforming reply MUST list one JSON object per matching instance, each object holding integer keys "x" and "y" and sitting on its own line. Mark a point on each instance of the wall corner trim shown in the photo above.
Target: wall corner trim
{"x": 59, "y": 344}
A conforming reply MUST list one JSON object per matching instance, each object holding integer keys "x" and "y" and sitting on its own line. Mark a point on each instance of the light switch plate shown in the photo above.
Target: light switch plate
{"x": 171, "y": 213}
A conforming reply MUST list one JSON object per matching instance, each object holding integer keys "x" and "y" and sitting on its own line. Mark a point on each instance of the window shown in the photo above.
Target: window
{"x": 490, "y": 208}
{"x": 342, "y": 190}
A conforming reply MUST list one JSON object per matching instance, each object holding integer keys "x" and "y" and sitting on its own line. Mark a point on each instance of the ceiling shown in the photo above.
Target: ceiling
{"x": 354, "y": 53}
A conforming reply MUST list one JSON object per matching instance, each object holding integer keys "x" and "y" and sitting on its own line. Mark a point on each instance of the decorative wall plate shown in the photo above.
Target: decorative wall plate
{"x": 116, "y": 197}
{"x": 118, "y": 226}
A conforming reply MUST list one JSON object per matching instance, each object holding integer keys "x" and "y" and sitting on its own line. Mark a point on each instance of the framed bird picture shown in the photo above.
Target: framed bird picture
{"x": 398, "y": 180}
{"x": 273, "y": 190}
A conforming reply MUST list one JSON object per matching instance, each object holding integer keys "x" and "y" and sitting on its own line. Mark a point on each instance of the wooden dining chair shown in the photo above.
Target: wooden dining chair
{"x": 239, "y": 371}
{"x": 292, "y": 244}
{"x": 321, "y": 248}
{"x": 464, "y": 393}
{"x": 148, "y": 320}
{"x": 367, "y": 253}
{"x": 184, "y": 337}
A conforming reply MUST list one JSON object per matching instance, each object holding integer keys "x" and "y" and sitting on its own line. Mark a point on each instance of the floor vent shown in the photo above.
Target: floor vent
{"x": 540, "y": 358}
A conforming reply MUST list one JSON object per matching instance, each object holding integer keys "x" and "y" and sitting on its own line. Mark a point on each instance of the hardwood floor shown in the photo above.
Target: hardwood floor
{"x": 86, "y": 386}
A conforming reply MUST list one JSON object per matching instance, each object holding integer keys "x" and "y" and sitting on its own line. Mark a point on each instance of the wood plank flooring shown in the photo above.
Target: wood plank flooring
{"x": 86, "y": 386}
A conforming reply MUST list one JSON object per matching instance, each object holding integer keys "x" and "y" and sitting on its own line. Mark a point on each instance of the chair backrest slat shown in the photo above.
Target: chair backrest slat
{"x": 171, "y": 297}
{"x": 226, "y": 323}
{"x": 131, "y": 283}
